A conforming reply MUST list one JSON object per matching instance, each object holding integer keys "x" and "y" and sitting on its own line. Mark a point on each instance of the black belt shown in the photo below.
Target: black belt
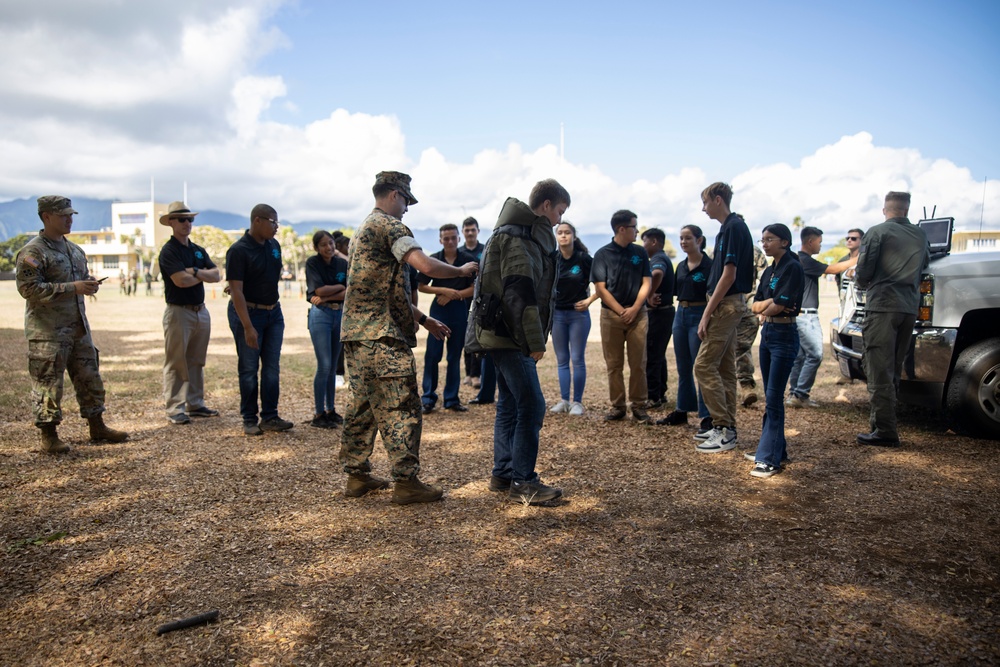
{"x": 261, "y": 306}
{"x": 332, "y": 306}
{"x": 809, "y": 311}
{"x": 691, "y": 304}
{"x": 780, "y": 320}
{"x": 195, "y": 307}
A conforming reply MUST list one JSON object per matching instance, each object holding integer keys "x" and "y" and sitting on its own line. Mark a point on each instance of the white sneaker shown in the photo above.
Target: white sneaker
{"x": 720, "y": 440}
{"x": 561, "y": 406}
{"x": 577, "y": 408}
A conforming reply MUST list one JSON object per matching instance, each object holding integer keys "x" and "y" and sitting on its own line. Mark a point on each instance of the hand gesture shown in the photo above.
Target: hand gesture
{"x": 437, "y": 328}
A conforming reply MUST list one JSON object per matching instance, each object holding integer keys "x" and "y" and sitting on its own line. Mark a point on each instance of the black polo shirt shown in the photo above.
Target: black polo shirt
{"x": 812, "y": 269}
{"x": 660, "y": 261}
{"x": 457, "y": 283}
{"x": 621, "y": 270}
{"x": 693, "y": 285}
{"x": 258, "y": 265}
{"x": 476, "y": 253}
{"x": 319, "y": 273}
{"x": 733, "y": 245}
{"x": 572, "y": 279}
{"x": 783, "y": 281}
{"x": 174, "y": 257}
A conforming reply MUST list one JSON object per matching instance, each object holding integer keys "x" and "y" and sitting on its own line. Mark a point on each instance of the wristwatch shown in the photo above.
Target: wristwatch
{"x": 423, "y": 318}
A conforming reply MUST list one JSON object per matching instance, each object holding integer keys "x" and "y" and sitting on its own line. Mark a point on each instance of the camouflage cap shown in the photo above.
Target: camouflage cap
{"x": 55, "y": 204}
{"x": 176, "y": 209}
{"x": 398, "y": 180}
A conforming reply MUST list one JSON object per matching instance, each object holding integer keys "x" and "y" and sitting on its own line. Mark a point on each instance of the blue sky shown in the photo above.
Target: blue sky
{"x": 811, "y": 109}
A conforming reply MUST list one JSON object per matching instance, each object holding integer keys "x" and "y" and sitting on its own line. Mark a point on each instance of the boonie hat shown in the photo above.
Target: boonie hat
{"x": 398, "y": 180}
{"x": 55, "y": 204}
{"x": 177, "y": 209}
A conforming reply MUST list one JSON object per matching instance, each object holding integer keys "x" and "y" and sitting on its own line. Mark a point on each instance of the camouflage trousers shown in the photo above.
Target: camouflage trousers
{"x": 48, "y": 362}
{"x": 385, "y": 399}
{"x": 746, "y": 334}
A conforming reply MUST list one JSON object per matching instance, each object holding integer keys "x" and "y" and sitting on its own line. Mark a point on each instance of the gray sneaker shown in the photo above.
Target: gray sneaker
{"x": 179, "y": 418}
{"x": 533, "y": 493}
{"x": 250, "y": 428}
{"x": 721, "y": 440}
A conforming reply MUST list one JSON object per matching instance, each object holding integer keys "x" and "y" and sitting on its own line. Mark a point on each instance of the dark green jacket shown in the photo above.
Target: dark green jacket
{"x": 891, "y": 261}
{"x": 522, "y": 272}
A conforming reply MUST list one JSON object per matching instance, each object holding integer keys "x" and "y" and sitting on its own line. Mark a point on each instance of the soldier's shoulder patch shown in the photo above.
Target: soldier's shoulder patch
{"x": 31, "y": 261}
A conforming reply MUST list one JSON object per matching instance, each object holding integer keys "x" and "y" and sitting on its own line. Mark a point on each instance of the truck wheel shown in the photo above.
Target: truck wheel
{"x": 973, "y": 398}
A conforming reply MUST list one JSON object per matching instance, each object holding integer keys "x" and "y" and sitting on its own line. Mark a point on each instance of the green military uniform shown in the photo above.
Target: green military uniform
{"x": 55, "y": 324}
{"x": 746, "y": 330}
{"x": 378, "y": 333}
{"x": 891, "y": 262}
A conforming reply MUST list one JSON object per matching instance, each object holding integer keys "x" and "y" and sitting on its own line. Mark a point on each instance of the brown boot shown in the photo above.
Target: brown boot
{"x": 51, "y": 444}
{"x": 99, "y": 431}
{"x": 360, "y": 484}
{"x": 414, "y": 491}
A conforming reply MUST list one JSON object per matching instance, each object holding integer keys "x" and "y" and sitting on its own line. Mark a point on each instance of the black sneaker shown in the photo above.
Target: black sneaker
{"x": 533, "y": 493}
{"x": 752, "y": 457}
{"x": 203, "y": 412}
{"x": 426, "y": 409}
{"x": 655, "y": 403}
{"x": 499, "y": 483}
{"x": 322, "y": 421}
{"x": 675, "y": 418}
{"x": 179, "y": 419}
{"x": 640, "y": 415}
{"x": 331, "y": 415}
{"x": 251, "y": 428}
{"x": 705, "y": 430}
{"x": 616, "y": 414}
{"x": 276, "y": 424}
{"x": 763, "y": 470}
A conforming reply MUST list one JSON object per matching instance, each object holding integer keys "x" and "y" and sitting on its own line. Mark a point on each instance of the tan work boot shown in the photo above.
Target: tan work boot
{"x": 51, "y": 444}
{"x": 748, "y": 395}
{"x": 360, "y": 484}
{"x": 100, "y": 431}
{"x": 412, "y": 490}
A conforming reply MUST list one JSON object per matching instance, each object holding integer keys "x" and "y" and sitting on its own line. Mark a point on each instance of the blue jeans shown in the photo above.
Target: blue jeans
{"x": 487, "y": 380}
{"x": 520, "y": 412}
{"x": 809, "y": 357}
{"x": 570, "y": 329}
{"x": 686, "y": 346}
{"x": 324, "y": 329}
{"x": 270, "y": 327}
{"x": 454, "y": 316}
{"x": 779, "y": 344}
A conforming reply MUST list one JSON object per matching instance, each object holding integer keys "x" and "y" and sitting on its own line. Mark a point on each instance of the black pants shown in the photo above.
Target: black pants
{"x": 661, "y": 325}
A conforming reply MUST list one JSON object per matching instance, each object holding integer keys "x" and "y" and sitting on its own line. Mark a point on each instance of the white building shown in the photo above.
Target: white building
{"x": 131, "y": 242}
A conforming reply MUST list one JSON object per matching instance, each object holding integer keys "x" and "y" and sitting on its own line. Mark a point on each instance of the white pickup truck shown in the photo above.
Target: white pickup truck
{"x": 954, "y": 359}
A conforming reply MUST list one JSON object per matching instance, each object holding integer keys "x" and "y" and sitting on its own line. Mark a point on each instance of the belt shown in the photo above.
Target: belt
{"x": 690, "y": 304}
{"x": 809, "y": 311}
{"x": 332, "y": 306}
{"x": 195, "y": 307}
{"x": 780, "y": 320}
{"x": 261, "y": 306}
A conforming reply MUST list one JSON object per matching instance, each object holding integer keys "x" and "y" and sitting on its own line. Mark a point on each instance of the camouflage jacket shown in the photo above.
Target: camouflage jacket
{"x": 759, "y": 264}
{"x": 45, "y": 276}
{"x": 377, "y": 303}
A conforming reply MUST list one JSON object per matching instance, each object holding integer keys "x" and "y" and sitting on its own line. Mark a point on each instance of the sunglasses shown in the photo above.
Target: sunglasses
{"x": 184, "y": 219}
{"x": 853, "y": 238}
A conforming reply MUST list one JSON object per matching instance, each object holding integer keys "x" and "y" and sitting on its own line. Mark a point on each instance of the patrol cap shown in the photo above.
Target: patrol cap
{"x": 55, "y": 204}
{"x": 399, "y": 181}
{"x": 176, "y": 209}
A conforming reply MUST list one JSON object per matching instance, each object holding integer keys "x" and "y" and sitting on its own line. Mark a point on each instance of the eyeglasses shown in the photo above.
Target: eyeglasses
{"x": 184, "y": 219}
{"x": 769, "y": 240}
{"x": 271, "y": 220}
{"x": 853, "y": 238}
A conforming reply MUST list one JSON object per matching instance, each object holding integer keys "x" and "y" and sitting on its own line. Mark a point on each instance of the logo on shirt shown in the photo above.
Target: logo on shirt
{"x": 576, "y": 270}
{"x": 197, "y": 253}
{"x": 276, "y": 253}
{"x": 773, "y": 283}
{"x": 341, "y": 276}
{"x": 698, "y": 277}
{"x": 635, "y": 260}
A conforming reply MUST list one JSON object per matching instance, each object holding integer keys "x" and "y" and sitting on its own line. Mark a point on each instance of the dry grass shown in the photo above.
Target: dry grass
{"x": 659, "y": 555}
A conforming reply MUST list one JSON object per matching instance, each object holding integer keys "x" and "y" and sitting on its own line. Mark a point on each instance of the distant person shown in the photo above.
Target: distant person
{"x": 729, "y": 282}
{"x": 690, "y": 285}
{"x": 516, "y": 291}
{"x": 148, "y": 278}
{"x": 571, "y": 317}
{"x": 133, "y": 281}
{"x": 326, "y": 284}
{"x": 746, "y": 334}
{"x": 341, "y": 243}
{"x": 122, "y": 282}
{"x": 450, "y": 306}
{"x": 379, "y": 330}
{"x": 660, "y": 310}
{"x": 891, "y": 262}
{"x": 810, "y": 355}
{"x": 622, "y": 280}
{"x": 52, "y": 277}
{"x": 187, "y": 325}
{"x": 776, "y": 303}
{"x": 253, "y": 269}
{"x": 473, "y": 248}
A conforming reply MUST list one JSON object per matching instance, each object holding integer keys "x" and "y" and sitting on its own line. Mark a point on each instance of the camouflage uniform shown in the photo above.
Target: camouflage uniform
{"x": 746, "y": 330}
{"x": 378, "y": 332}
{"x": 55, "y": 324}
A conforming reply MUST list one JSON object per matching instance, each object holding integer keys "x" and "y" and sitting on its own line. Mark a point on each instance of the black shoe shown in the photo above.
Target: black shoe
{"x": 179, "y": 418}
{"x": 332, "y": 415}
{"x": 480, "y": 401}
{"x": 675, "y": 418}
{"x": 874, "y": 438}
{"x": 427, "y": 409}
{"x": 616, "y": 414}
{"x": 499, "y": 483}
{"x": 203, "y": 412}
{"x": 458, "y": 407}
{"x": 533, "y": 493}
{"x": 639, "y": 415}
{"x": 655, "y": 403}
{"x": 322, "y": 420}
{"x": 275, "y": 425}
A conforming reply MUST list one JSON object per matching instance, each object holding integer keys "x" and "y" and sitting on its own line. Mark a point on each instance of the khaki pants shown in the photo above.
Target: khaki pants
{"x": 715, "y": 367}
{"x": 616, "y": 338}
{"x": 186, "y": 334}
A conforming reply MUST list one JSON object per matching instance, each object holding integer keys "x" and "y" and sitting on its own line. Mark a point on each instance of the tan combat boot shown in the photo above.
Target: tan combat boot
{"x": 414, "y": 491}
{"x": 99, "y": 431}
{"x": 51, "y": 444}
{"x": 360, "y": 484}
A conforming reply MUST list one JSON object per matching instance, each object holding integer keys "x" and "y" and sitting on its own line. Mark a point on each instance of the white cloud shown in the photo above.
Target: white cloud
{"x": 95, "y": 107}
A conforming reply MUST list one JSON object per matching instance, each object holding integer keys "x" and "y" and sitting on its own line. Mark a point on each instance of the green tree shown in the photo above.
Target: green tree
{"x": 215, "y": 242}
{"x": 9, "y": 248}
{"x": 798, "y": 222}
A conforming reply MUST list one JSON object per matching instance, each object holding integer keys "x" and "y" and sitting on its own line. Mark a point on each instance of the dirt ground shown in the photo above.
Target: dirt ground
{"x": 658, "y": 555}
